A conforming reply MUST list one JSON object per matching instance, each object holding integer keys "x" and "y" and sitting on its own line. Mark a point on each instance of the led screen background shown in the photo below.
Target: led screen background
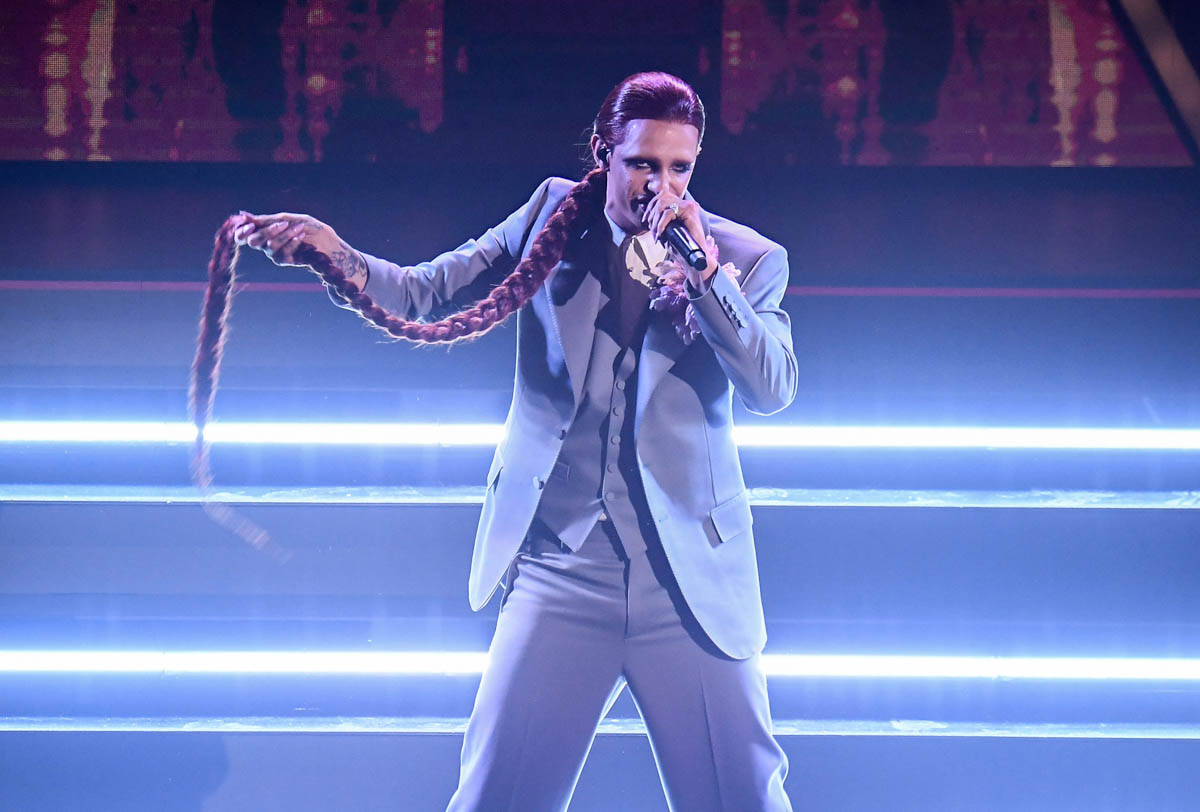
{"x": 820, "y": 82}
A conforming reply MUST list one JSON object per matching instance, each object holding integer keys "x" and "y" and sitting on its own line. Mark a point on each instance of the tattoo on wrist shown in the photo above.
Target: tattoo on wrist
{"x": 351, "y": 264}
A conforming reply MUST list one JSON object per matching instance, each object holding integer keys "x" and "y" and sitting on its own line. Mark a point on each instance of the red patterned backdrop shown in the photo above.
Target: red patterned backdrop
{"x": 852, "y": 82}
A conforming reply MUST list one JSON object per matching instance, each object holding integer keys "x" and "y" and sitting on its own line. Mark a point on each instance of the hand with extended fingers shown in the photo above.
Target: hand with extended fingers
{"x": 281, "y": 236}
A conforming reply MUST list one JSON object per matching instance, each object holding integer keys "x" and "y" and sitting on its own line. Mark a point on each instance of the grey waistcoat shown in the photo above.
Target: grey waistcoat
{"x": 596, "y": 476}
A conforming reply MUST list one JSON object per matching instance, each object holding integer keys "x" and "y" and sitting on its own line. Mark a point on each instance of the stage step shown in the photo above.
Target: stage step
{"x": 232, "y": 771}
{"x": 473, "y": 495}
{"x": 610, "y": 726}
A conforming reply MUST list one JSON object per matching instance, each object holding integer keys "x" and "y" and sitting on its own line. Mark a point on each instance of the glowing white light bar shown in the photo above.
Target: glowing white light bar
{"x": 413, "y": 434}
{"x": 413, "y": 663}
{"x": 966, "y": 437}
{"x": 92, "y": 431}
{"x": 489, "y": 434}
{"x": 417, "y": 663}
{"x": 933, "y": 667}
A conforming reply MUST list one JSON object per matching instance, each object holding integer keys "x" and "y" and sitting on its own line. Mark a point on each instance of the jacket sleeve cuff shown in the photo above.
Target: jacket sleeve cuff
{"x": 694, "y": 292}
{"x": 722, "y": 310}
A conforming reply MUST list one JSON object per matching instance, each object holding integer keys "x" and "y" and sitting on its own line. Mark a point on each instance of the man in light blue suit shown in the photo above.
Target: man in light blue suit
{"x": 615, "y": 513}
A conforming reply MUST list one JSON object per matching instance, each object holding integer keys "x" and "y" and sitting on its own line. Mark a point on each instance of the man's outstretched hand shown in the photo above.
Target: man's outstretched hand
{"x": 279, "y": 236}
{"x": 292, "y": 239}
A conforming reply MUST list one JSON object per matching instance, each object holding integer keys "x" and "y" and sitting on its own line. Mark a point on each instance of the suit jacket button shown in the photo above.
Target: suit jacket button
{"x": 538, "y": 483}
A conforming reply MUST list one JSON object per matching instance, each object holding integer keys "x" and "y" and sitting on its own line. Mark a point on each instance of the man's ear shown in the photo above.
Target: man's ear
{"x": 600, "y": 151}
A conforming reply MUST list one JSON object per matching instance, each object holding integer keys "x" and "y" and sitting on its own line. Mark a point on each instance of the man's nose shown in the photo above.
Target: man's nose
{"x": 657, "y": 182}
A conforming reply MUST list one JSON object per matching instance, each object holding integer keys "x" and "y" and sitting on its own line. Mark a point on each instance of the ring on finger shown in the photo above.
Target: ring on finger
{"x": 674, "y": 207}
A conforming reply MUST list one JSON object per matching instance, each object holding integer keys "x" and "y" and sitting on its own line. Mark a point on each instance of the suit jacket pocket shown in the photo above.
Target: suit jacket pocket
{"x": 732, "y": 517}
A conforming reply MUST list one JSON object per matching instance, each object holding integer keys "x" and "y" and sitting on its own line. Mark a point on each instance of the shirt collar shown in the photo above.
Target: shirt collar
{"x": 618, "y": 234}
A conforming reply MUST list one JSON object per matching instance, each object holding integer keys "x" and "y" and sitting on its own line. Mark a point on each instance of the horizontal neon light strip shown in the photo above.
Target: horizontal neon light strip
{"x": 608, "y": 726}
{"x": 404, "y": 434}
{"x": 847, "y": 291}
{"x": 966, "y": 437}
{"x": 147, "y": 286}
{"x": 410, "y": 663}
{"x": 992, "y": 293}
{"x": 485, "y": 434}
{"x": 467, "y": 663}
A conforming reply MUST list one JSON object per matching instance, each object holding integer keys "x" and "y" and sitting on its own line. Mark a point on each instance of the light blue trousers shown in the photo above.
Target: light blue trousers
{"x": 574, "y": 629}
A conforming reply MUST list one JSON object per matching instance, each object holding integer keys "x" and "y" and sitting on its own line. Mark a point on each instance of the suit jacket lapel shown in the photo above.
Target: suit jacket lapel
{"x": 574, "y": 292}
{"x": 661, "y": 348}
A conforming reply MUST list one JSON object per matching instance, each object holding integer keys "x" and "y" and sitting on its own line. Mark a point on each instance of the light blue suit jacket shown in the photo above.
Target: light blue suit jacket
{"x": 683, "y": 421}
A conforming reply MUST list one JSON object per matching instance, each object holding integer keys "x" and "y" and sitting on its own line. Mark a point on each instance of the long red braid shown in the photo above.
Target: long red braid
{"x": 581, "y": 204}
{"x": 651, "y": 95}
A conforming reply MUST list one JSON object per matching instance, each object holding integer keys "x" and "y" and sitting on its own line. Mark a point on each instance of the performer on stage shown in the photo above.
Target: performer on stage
{"x": 616, "y": 514}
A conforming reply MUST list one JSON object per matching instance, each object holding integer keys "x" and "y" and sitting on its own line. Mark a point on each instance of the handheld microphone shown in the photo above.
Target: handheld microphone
{"x": 678, "y": 237}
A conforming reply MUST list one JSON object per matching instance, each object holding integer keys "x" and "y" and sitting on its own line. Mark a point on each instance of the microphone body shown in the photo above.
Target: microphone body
{"x": 678, "y": 237}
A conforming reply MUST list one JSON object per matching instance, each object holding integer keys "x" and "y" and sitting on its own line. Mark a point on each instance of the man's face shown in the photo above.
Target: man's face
{"x": 655, "y": 156}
